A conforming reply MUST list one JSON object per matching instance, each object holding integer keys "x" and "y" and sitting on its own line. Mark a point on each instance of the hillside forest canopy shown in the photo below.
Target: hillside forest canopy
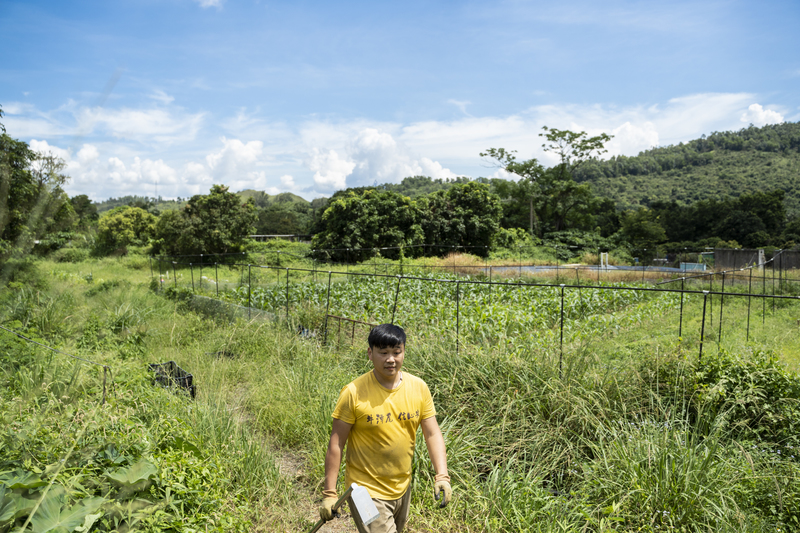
{"x": 736, "y": 188}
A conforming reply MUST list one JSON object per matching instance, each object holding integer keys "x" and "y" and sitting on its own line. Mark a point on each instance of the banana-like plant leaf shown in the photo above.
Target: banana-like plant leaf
{"x": 134, "y": 474}
{"x": 53, "y": 515}
{"x": 21, "y": 479}
{"x": 24, "y": 505}
{"x": 8, "y": 507}
{"x": 88, "y": 522}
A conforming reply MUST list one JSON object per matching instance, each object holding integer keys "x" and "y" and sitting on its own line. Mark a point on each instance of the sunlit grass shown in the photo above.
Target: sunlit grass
{"x": 612, "y": 439}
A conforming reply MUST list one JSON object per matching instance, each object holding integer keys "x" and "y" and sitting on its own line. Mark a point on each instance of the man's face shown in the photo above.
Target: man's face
{"x": 387, "y": 361}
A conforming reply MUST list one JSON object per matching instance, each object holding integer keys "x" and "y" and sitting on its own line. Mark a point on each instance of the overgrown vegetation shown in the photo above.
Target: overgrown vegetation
{"x": 623, "y": 427}
{"x": 633, "y": 434}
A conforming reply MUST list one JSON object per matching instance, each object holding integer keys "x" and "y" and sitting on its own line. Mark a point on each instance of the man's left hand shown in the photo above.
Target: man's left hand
{"x": 443, "y": 487}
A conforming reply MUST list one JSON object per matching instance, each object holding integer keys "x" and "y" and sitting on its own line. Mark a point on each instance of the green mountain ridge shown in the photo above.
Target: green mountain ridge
{"x": 723, "y": 164}
{"x": 262, "y": 199}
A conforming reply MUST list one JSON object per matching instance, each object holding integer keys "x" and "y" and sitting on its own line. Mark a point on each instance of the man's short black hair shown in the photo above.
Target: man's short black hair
{"x": 386, "y": 336}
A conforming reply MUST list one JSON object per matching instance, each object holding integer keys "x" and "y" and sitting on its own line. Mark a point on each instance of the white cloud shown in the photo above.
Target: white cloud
{"x": 210, "y": 3}
{"x": 142, "y": 177}
{"x": 149, "y": 126}
{"x": 43, "y": 147}
{"x": 380, "y": 158}
{"x": 162, "y": 97}
{"x": 87, "y": 154}
{"x": 23, "y": 120}
{"x": 630, "y": 138}
{"x": 461, "y": 104}
{"x": 128, "y": 149}
{"x": 234, "y": 157}
{"x": 237, "y": 164}
{"x": 330, "y": 170}
{"x": 758, "y": 116}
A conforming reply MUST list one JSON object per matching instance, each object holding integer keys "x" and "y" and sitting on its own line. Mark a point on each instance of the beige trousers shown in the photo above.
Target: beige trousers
{"x": 393, "y": 515}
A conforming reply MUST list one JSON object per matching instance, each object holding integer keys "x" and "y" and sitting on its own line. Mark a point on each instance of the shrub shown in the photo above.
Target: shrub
{"x": 70, "y": 255}
{"x": 124, "y": 226}
{"x": 756, "y": 397}
{"x": 513, "y": 238}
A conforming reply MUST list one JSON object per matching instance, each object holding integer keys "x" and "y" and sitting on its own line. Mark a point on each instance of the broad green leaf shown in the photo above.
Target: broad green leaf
{"x": 21, "y": 479}
{"x": 131, "y": 475}
{"x": 88, "y": 522}
{"x": 23, "y": 505}
{"x": 53, "y": 515}
{"x": 8, "y": 507}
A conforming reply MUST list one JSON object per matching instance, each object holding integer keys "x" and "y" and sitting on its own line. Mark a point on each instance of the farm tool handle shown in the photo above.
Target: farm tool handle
{"x": 335, "y": 508}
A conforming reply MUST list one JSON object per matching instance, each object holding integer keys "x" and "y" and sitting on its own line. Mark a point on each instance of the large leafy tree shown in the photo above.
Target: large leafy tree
{"x": 215, "y": 223}
{"x": 124, "y": 226}
{"x": 728, "y": 219}
{"x": 359, "y": 222}
{"x": 465, "y": 215}
{"x": 32, "y": 200}
{"x": 84, "y": 209}
{"x": 641, "y": 228}
{"x": 555, "y": 201}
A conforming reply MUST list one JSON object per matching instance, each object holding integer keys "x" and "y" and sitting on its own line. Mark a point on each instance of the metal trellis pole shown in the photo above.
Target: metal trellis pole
{"x": 327, "y": 308}
{"x": 216, "y": 276}
{"x": 643, "y": 266}
{"x": 711, "y": 307}
{"x": 287, "y": 295}
{"x": 396, "y": 294}
{"x": 191, "y": 270}
{"x": 249, "y": 290}
{"x": 490, "y": 284}
{"x": 703, "y": 328}
{"x": 458, "y": 297}
{"x": 174, "y": 276}
{"x": 721, "y": 307}
{"x": 749, "y": 292}
{"x": 773, "y": 285}
{"x": 763, "y": 292}
{"x": 680, "y": 323}
{"x": 561, "y": 354}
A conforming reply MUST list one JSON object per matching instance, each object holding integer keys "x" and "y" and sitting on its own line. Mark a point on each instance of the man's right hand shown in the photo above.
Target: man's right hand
{"x": 326, "y": 508}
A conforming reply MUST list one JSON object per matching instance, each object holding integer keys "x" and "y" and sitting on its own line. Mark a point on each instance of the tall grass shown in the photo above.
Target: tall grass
{"x": 625, "y": 437}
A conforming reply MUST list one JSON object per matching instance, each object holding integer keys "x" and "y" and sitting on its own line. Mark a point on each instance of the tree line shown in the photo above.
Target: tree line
{"x": 558, "y": 206}
{"x": 549, "y": 206}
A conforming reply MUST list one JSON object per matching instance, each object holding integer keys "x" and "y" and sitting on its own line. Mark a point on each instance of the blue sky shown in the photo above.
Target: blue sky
{"x": 311, "y": 97}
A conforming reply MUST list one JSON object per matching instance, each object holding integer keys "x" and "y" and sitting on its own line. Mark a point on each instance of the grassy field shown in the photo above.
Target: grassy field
{"x": 622, "y": 429}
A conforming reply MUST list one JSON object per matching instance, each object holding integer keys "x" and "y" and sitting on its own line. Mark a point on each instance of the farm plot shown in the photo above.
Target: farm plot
{"x": 450, "y": 306}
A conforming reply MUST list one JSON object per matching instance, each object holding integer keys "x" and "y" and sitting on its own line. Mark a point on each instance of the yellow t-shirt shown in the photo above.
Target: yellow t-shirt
{"x": 380, "y": 447}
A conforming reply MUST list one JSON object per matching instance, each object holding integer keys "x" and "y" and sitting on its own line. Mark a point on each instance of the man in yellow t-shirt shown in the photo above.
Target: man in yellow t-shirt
{"x": 377, "y": 415}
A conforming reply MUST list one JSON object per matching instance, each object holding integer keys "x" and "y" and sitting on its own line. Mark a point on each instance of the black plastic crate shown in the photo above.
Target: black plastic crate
{"x": 169, "y": 374}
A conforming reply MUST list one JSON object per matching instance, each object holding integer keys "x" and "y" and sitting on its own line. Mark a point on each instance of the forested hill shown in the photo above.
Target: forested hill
{"x": 262, "y": 199}
{"x": 721, "y": 164}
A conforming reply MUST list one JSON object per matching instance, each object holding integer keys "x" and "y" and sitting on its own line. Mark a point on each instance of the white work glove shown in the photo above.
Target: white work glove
{"x": 441, "y": 486}
{"x": 326, "y": 507}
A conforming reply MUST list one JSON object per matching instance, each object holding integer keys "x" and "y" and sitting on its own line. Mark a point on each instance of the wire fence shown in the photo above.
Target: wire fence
{"x": 107, "y": 374}
{"x": 744, "y": 284}
{"x": 658, "y": 259}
